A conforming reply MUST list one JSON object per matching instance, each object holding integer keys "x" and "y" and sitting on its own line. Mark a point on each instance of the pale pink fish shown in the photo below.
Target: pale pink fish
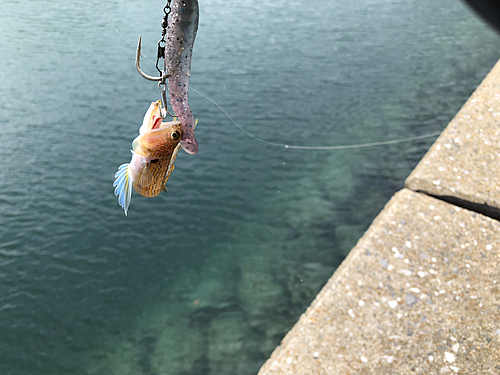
{"x": 153, "y": 155}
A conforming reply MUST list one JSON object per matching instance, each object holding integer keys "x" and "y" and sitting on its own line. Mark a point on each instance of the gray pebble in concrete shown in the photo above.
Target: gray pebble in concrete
{"x": 410, "y": 299}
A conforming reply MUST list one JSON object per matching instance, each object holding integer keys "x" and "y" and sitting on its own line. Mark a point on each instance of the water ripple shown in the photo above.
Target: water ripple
{"x": 86, "y": 290}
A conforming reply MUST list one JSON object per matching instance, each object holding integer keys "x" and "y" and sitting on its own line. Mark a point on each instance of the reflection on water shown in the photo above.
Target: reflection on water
{"x": 207, "y": 278}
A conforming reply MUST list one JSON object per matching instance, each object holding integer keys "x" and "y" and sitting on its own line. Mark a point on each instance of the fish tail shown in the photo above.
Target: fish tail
{"x": 123, "y": 186}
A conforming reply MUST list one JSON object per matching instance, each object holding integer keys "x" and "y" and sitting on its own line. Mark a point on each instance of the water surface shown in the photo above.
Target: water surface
{"x": 207, "y": 278}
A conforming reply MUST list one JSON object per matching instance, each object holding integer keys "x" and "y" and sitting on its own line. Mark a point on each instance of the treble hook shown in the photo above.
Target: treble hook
{"x": 163, "y": 77}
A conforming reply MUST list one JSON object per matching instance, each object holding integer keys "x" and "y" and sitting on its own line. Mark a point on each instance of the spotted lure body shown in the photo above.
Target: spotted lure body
{"x": 153, "y": 155}
{"x": 181, "y": 32}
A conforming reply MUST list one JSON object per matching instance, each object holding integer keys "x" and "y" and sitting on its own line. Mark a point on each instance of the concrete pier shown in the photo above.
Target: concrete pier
{"x": 419, "y": 293}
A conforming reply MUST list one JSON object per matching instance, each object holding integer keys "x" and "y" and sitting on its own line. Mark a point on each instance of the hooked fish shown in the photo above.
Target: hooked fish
{"x": 181, "y": 33}
{"x": 153, "y": 155}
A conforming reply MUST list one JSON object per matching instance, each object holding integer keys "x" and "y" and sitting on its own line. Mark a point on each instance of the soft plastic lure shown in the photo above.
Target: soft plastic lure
{"x": 153, "y": 155}
{"x": 181, "y": 33}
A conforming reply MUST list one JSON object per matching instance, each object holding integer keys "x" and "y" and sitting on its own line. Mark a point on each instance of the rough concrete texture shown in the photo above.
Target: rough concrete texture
{"x": 419, "y": 294}
{"x": 464, "y": 162}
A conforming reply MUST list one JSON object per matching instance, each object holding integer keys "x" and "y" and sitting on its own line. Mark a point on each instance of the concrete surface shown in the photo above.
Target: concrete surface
{"x": 419, "y": 294}
{"x": 464, "y": 162}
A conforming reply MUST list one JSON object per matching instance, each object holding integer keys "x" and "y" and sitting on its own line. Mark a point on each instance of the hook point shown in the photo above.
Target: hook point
{"x": 138, "y": 65}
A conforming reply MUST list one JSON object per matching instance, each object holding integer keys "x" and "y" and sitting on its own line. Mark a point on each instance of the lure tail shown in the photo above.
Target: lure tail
{"x": 123, "y": 186}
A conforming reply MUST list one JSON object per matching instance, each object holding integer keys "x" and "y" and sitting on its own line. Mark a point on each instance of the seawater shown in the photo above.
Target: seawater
{"x": 208, "y": 278}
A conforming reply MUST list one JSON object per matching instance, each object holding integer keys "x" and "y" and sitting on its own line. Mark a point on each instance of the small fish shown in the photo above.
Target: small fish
{"x": 153, "y": 155}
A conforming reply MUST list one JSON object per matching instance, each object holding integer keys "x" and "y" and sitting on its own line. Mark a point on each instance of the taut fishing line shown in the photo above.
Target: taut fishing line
{"x": 338, "y": 147}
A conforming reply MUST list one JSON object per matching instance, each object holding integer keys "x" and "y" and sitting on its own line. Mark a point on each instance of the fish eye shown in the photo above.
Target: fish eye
{"x": 175, "y": 135}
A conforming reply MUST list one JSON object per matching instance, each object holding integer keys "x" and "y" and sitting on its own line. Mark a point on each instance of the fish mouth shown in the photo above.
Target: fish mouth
{"x": 153, "y": 122}
{"x": 156, "y": 121}
{"x": 152, "y": 118}
{"x": 155, "y": 115}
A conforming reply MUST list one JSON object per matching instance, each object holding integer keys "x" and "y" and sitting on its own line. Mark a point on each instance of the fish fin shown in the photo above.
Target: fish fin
{"x": 123, "y": 186}
{"x": 171, "y": 164}
{"x": 135, "y": 144}
{"x": 146, "y": 178}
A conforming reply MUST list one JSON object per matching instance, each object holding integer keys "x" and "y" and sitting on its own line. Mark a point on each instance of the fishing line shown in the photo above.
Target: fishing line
{"x": 119, "y": 33}
{"x": 338, "y": 147}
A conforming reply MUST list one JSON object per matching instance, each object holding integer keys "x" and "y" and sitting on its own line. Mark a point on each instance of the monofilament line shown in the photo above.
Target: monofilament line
{"x": 338, "y": 147}
{"x": 118, "y": 31}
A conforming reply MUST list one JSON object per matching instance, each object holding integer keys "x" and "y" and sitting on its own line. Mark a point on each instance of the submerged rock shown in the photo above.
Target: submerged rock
{"x": 232, "y": 346}
{"x": 122, "y": 359}
{"x": 202, "y": 316}
{"x": 275, "y": 330}
{"x": 179, "y": 349}
{"x": 348, "y": 236}
{"x": 305, "y": 281}
{"x": 217, "y": 281}
{"x": 261, "y": 295}
{"x": 146, "y": 348}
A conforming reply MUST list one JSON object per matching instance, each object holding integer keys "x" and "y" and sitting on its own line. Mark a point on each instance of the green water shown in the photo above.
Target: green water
{"x": 207, "y": 278}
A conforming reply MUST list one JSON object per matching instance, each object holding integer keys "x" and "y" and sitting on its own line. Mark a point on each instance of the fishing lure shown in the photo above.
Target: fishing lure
{"x": 177, "y": 51}
{"x": 153, "y": 155}
{"x": 181, "y": 33}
